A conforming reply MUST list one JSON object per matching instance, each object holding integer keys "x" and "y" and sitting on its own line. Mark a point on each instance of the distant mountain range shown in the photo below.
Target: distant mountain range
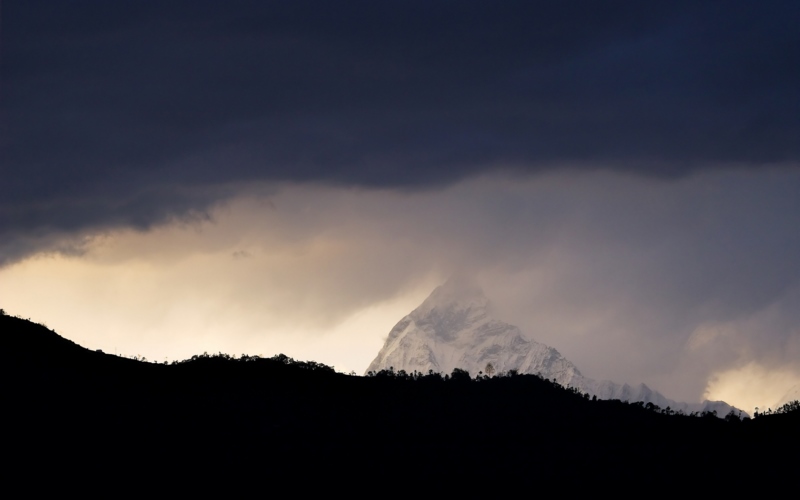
{"x": 453, "y": 329}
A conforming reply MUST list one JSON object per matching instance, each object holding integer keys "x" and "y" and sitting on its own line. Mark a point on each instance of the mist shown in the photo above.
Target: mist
{"x": 684, "y": 284}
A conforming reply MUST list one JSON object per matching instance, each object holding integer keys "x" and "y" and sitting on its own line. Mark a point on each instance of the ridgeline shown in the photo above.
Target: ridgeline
{"x": 74, "y": 410}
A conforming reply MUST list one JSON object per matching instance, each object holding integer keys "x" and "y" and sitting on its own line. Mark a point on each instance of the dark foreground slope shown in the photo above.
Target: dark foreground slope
{"x": 75, "y": 413}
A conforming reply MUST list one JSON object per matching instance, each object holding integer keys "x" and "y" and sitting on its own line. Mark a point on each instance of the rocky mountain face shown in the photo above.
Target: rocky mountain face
{"x": 453, "y": 328}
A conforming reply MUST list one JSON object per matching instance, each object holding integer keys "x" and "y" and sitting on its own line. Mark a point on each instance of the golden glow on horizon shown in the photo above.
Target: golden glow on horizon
{"x": 751, "y": 386}
{"x": 134, "y": 309}
{"x": 247, "y": 282}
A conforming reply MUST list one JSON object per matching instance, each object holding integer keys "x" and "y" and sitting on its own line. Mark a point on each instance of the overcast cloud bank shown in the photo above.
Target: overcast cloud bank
{"x": 128, "y": 114}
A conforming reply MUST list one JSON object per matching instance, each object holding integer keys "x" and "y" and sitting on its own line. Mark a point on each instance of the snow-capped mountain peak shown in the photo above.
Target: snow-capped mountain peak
{"x": 454, "y": 328}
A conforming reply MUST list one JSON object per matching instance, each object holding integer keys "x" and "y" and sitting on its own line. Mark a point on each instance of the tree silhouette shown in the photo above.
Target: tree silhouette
{"x": 460, "y": 375}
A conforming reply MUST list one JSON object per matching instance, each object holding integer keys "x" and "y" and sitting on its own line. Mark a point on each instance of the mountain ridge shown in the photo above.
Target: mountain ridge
{"x": 231, "y": 419}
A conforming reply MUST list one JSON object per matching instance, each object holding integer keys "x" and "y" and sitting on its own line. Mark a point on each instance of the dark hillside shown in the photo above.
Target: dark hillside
{"x": 239, "y": 418}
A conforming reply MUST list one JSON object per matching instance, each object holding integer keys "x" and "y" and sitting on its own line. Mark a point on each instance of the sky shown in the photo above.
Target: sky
{"x": 623, "y": 179}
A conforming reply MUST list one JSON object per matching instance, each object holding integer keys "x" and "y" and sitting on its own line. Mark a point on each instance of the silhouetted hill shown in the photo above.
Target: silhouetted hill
{"x": 73, "y": 410}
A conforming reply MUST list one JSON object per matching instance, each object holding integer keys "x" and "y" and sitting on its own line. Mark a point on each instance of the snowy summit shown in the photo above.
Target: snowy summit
{"x": 453, "y": 328}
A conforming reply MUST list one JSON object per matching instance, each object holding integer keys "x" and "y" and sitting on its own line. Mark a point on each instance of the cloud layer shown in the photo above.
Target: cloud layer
{"x": 131, "y": 113}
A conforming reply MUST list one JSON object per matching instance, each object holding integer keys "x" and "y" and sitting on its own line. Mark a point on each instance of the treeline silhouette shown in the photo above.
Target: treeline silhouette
{"x": 236, "y": 417}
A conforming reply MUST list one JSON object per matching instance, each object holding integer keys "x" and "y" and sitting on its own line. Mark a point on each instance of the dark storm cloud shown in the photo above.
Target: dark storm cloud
{"x": 107, "y": 105}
